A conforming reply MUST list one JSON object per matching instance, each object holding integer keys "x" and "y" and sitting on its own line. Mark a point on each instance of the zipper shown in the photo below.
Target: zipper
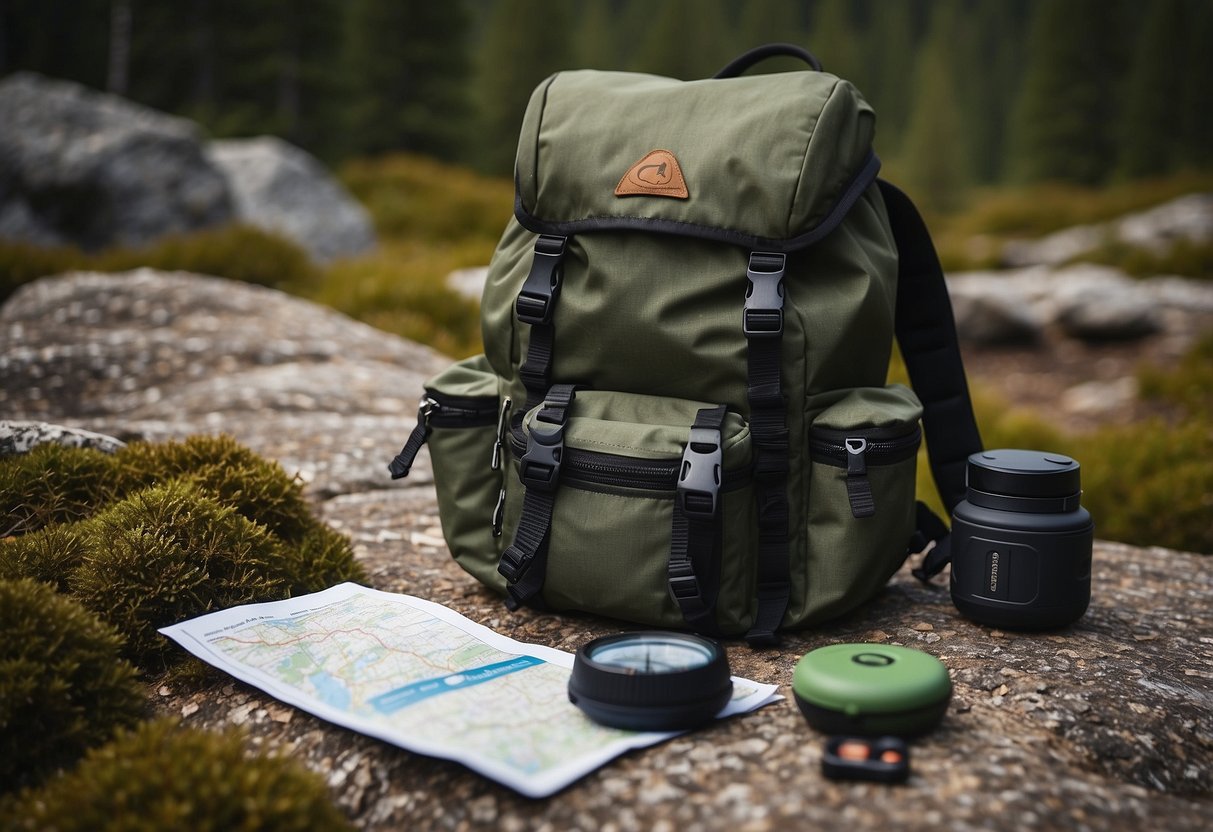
{"x": 594, "y": 468}
{"x": 439, "y": 411}
{"x": 854, "y": 450}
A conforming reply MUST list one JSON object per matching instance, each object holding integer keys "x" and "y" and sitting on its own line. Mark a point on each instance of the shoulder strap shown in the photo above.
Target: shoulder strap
{"x": 926, "y": 332}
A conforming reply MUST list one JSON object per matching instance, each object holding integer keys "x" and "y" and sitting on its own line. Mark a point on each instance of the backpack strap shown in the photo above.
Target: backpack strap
{"x": 926, "y": 332}
{"x": 535, "y": 305}
{"x": 524, "y": 562}
{"x": 695, "y": 536}
{"x": 762, "y": 322}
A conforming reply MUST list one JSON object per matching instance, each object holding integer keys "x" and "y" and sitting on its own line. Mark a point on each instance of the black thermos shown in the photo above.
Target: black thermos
{"x": 1021, "y": 543}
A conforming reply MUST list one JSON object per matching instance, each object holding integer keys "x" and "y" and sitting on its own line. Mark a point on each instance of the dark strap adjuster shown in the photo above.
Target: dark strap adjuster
{"x": 539, "y": 467}
{"x": 763, "y": 313}
{"x": 699, "y": 477}
{"x": 537, "y": 299}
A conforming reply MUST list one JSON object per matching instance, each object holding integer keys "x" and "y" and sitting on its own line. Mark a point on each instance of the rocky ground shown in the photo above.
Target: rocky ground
{"x": 1104, "y": 725}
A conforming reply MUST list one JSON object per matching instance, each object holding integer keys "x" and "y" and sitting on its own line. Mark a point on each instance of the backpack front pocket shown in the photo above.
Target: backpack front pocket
{"x": 651, "y": 516}
{"x": 863, "y": 450}
{"x": 461, "y": 418}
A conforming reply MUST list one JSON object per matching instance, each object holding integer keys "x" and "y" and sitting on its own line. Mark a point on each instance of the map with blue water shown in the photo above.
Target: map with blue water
{"x": 423, "y": 677}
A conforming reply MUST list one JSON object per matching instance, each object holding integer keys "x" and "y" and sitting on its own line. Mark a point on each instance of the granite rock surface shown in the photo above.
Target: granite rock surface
{"x": 1107, "y": 724}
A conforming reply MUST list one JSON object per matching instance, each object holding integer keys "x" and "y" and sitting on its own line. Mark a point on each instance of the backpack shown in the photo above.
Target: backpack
{"x": 680, "y": 418}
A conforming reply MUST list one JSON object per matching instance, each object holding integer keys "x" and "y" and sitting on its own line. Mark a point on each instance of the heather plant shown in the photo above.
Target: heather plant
{"x": 63, "y": 686}
{"x": 162, "y": 776}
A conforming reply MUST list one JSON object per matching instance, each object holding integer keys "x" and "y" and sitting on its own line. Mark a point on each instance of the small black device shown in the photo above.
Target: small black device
{"x": 1021, "y": 542}
{"x": 882, "y": 759}
{"x": 651, "y": 681}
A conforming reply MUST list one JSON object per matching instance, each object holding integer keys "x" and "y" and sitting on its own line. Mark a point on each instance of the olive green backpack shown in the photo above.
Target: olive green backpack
{"x": 681, "y": 417}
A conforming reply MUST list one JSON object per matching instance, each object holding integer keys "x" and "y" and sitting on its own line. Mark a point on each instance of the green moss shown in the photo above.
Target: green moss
{"x": 63, "y": 687}
{"x": 170, "y": 553}
{"x": 54, "y": 484}
{"x": 322, "y": 558}
{"x": 224, "y": 469}
{"x": 162, "y": 776}
{"x": 48, "y": 555}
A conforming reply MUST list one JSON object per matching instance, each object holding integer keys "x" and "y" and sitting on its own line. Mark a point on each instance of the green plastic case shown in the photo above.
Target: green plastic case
{"x": 871, "y": 690}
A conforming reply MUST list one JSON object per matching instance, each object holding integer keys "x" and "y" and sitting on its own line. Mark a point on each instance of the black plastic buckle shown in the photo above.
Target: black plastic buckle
{"x": 683, "y": 587}
{"x": 537, "y": 299}
{"x": 513, "y": 564}
{"x": 539, "y": 467}
{"x": 763, "y": 314}
{"x": 699, "y": 477}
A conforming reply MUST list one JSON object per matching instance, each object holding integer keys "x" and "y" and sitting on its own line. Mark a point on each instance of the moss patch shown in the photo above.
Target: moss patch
{"x": 170, "y": 553}
{"x": 63, "y": 687}
{"x": 162, "y": 776}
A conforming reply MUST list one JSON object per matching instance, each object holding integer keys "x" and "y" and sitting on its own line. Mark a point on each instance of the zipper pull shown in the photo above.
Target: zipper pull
{"x": 499, "y": 513}
{"x": 403, "y": 462}
{"x": 859, "y": 489}
{"x": 503, "y": 419}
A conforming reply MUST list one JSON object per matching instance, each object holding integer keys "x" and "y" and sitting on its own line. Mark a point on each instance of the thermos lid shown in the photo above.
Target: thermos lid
{"x": 1012, "y": 473}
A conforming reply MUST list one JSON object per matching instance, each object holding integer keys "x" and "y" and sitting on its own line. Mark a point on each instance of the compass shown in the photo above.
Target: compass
{"x": 651, "y": 681}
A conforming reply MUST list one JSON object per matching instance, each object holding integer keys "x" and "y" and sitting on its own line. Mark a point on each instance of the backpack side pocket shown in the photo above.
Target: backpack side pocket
{"x": 460, "y": 420}
{"x": 863, "y": 450}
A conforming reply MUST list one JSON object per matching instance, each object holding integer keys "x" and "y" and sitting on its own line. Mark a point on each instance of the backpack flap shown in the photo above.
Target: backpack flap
{"x": 769, "y": 162}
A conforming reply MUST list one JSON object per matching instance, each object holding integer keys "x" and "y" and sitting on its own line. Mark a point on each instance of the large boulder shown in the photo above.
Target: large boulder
{"x": 94, "y": 170}
{"x": 151, "y": 355}
{"x": 284, "y": 189}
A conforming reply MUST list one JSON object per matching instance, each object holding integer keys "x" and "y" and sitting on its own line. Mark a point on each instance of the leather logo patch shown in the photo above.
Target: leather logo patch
{"x": 657, "y": 174}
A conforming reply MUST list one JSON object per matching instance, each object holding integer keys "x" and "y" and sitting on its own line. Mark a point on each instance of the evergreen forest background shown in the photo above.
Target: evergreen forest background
{"x": 968, "y": 92}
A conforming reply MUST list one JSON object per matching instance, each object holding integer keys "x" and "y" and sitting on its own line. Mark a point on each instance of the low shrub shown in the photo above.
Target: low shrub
{"x": 170, "y": 553}
{"x": 162, "y": 776}
{"x": 54, "y": 484}
{"x": 1189, "y": 385}
{"x": 402, "y": 290}
{"x": 236, "y": 252}
{"x": 411, "y": 196}
{"x": 63, "y": 687}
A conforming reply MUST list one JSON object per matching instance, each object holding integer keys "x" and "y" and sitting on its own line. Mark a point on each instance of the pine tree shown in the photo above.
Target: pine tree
{"x": 989, "y": 65}
{"x": 408, "y": 69}
{"x": 1195, "y": 95}
{"x": 1065, "y": 118}
{"x": 773, "y": 21}
{"x": 834, "y": 38}
{"x": 892, "y": 43}
{"x": 687, "y": 39}
{"x": 935, "y": 159}
{"x": 595, "y": 42}
{"x": 525, "y": 42}
{"x": 1151, "y": 142}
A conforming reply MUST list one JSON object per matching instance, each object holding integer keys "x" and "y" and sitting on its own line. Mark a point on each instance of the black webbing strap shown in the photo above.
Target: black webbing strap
{"x": 762, "y": 322}
{"x": 403, "y": 463}
{"x": 524, "y": 563}
{"x": 535, "y": 305}
{"x": 926, "y": 332}
{"x": 693, "y": 574}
